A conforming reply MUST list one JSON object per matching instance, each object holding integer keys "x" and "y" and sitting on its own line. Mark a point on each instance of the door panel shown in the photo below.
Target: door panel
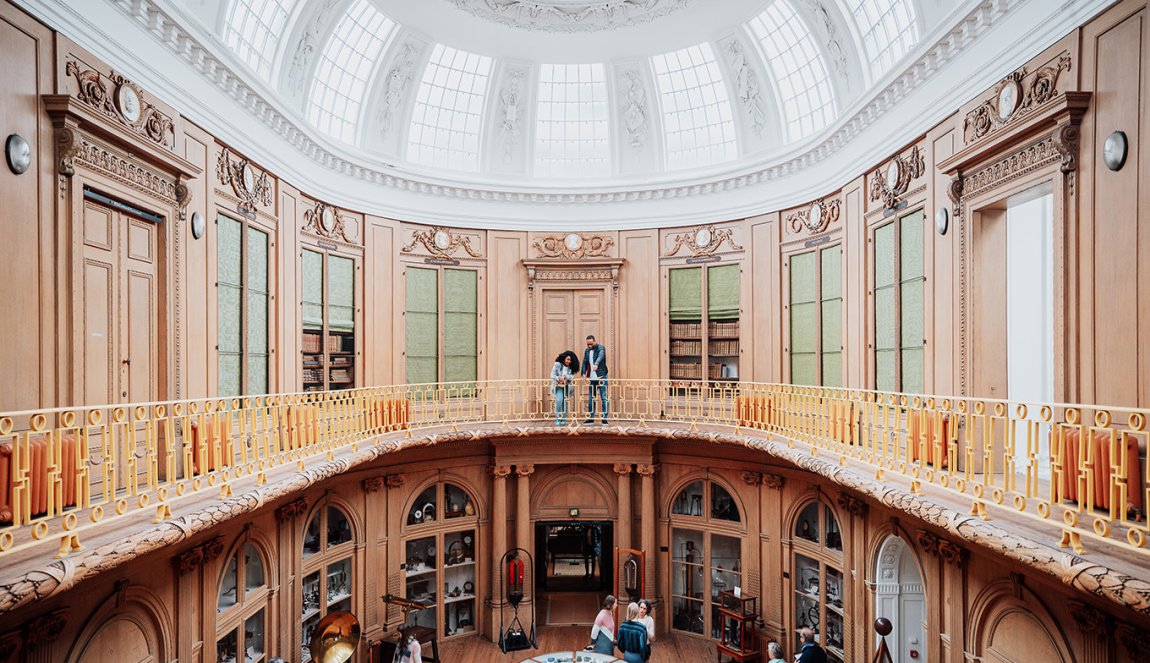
{"x": 99, "y": 346}
{"x": 558, "y": 312}
{"x": 589, "y": 319}
{"x": 140, "y": 337}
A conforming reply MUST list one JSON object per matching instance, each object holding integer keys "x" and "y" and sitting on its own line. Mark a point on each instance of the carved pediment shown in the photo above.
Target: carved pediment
{"x": 440, "y": 242}
{"x": 703, "y": 241}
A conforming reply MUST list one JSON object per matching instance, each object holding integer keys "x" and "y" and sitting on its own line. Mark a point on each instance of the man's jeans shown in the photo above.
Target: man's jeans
{"x": 601, "y": 387}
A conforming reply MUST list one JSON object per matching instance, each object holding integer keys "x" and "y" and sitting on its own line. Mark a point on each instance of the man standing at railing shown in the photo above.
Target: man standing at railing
{"x": 595, "y": 369}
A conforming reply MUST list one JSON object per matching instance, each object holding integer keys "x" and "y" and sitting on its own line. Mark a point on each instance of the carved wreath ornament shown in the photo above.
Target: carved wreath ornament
{"x": 250, "y": 188}
{"x": 817, "y": 218}
{"x": 440, "y": 242}
{"x": 890, "y": 184}
{"x": 703, "y": 241}
{"x": 1014, "y": 97}
{"x": 574, "y": 245}
{"x": 325, "y": 221}
{"x": 125, "y": 103}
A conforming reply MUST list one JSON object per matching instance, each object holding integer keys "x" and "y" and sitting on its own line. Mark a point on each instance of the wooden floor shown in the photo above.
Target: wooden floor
{"x": 666, "y": 649}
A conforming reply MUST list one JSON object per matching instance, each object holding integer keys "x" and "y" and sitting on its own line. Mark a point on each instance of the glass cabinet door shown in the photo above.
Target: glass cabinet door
{"x": 421, "y": 578}
{"x": 459, "y": 582}
{"x": 688, "y": 583}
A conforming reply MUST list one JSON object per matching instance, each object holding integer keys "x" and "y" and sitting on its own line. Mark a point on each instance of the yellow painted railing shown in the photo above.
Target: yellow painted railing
{"x": 1078, "y": 470}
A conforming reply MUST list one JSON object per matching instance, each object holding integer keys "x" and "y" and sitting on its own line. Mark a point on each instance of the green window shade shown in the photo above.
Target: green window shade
{"x": 257, "y": 323}
{"x": 341, "y": 290}
{"x": 312, "y": 290}
{"x": 723, "y": 292}
{"x": 884, "y": 309}
{"x": 229, "y": 307}
{"x": 422, "y": 325}
{"x": 804, "y": 320}
{"x": 460, "y": 325}
{"x": 912, "y": 286}
{"x": 832, "y": 315}
{"x": 686, "y": 294}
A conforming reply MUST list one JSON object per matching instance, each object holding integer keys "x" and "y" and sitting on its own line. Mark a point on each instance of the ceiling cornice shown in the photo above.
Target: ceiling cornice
{"x": 198, "y": 51}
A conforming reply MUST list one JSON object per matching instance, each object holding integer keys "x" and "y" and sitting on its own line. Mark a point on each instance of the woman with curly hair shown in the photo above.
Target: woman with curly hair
{"x": 563, "y": 373}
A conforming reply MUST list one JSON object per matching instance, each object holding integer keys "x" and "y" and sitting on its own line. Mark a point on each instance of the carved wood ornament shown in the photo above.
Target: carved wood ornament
{"x": 440, "y": 242}
{"x": 574, "y": 245}
{"x": 291, "y": 510}
{"x": 703, "y": 241}
{"x": 1013, "y": 98}
{"x": 817, "y": 218}
{"x": 252, "y": 189}
{"x": 125, "y": 104}
{"x": 325, "y": 221}
{"x": 889, "y": 184}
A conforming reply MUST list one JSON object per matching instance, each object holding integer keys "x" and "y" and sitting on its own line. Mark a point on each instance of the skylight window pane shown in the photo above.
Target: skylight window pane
{"x": 571, "y": 135}
{"x": 889, "y": 30}
{"x": 694, "y": 101}
{"x": 445, "y": 126}
{"x": 253, "y": 29}
{"x": 804, "y": 87}
{"x": 341, "y": 74}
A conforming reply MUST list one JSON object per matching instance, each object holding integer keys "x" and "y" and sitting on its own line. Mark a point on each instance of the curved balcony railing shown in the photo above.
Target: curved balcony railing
{"x": 1079, "y": 470}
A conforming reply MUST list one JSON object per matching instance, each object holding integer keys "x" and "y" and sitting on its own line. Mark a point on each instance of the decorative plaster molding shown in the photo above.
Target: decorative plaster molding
{"x": 633, "y": 107}
{"x": 1024, "y": 91}
{"x": 524, "y": 470}
{"x": 194, "y": 558}
{"x": 622, "y": 469}
{"x": 646, "y": 470}
{"x": 291, "y": 510}
{"x": 44, "y": 629}
{"x": 253, "y": 190}
{"x": 752, "y": 478}
{"x": 440, "y": 242}
{"x": 703, "y": 241}
{"x": 834, "y": 53}
{"x": 817, "y": 218}
{"x": 499, "y": 471}
{"x": 569, "y": 16}
{"x": 574, "y": 245}
{"x": 148, "y": 121}
{"x": 747, "y": 90}
{"x": 948, "y": 552}
{"x": 1136, "y": 640}
{"x": 1092, "y": 621}
{"x": 326, "y": 221}
{"x": 155, "y": 17}
{"x": 775, "y": 481}
{"x": 511, "y": 112}
{"x": 305, "y": 48}
{"x": 395, "y": 85}
{"x": 396, "y": 480}
{"x": 892, "y": 182}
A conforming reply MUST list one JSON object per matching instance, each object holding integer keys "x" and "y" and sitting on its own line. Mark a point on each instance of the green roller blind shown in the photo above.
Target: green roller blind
{"x": 229, "y": 305}
{"x": 885, "y": 332}
{"x": 312, "y": 290}
{"x": 912, "y": 284}
{"x": 723, "y": 292}
{"x": 804, "y": 319}
{"x": 460, "y": 325}
{"x": 686, "y": 285}
{"x": 341, "y": 290}
{"x": 257, "y": 323}
{"x": 832, "y": 316}
{"x": 422, "y": 296}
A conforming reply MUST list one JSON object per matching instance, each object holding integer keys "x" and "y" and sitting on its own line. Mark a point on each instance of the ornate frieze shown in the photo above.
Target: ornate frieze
{"x": 73, "y": 146}
{"x": 891, "y": 183}
{"x": 440, "y": 242}
{"x": 1015, "y": 97}
{"x": 291, "y": 510}
{"x": 124, "y": 103}
{"x": 325, "y": 221}
{"x": 703, "y": 241}
{"x": 568, "y": 16}
{"x": 573, "y": 245}
{"x": 251, "y": 188}
{"x": 817, "y": 218}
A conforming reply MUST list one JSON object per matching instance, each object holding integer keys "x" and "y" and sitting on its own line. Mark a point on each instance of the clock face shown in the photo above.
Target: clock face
{"x": 467, "y": 540}
{"x": 327, "y": 219}
{"x": 573, "y": 242}
{"x": 703, "y": 238}
{"x": 1007, "y": 100}
{"x": 893, "y": 170}
{"x": 248, "y": 178}
{"x": 128, "y": 103}
{"x": 442, "y": 241}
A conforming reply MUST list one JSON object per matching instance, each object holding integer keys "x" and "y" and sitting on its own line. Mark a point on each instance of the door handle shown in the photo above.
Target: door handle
{"x": 127, "y": 361}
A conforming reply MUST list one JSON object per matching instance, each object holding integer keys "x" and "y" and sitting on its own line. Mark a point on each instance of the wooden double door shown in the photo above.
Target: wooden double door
{"x": 569, "y": 316}
{"x": 120, "y": 307}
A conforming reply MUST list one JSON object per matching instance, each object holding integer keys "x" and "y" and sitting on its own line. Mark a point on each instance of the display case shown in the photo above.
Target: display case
{"x": 440, "y": 572}
{"x": 818, "y": 591}
{"x": 328, "y": 579}
{"x": 687, "y": 582}
{"x": 704, "y": 324}
{"x": 738, "y": 639}
{"x": 459, "y": 583}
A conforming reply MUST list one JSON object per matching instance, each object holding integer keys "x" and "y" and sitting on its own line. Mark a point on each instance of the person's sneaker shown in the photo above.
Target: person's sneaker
{"x": 604, "y": 422}
{"x": 589, "y": 421}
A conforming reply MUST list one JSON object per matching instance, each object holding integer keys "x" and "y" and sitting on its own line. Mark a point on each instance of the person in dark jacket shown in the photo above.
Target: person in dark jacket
{"x": 810, "y": 652}
{"x": 632, "y": 638}
{"x": 595, "y": 370}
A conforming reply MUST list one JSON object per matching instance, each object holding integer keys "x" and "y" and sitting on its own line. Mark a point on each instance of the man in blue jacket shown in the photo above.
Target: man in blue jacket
{"x": 594, "y": 367}
{"x": 811, "y": 652}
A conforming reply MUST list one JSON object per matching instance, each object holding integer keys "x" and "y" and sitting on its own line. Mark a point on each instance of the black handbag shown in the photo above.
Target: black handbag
{"x": 514, "y": 638}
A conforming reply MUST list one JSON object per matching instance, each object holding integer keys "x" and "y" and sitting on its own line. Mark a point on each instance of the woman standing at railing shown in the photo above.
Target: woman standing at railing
{"x": 563, "y": 372}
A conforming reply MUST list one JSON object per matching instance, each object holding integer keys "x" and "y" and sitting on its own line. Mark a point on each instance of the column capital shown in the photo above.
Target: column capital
{"x": 647, "y": 470}
{"x": 499, "y": 471}
{"x": 775, "y": 481}
{"x": 1091, "y": 620}
{"x": 396, "y": 480}
{"x": 45, "y": 628}
{"x": 291, "y": 510}
{"x": 752, "y": 478}
{"x": 374, "y": 484}
{"x": 622, "y": 469}
{"x": 524, "y": 470}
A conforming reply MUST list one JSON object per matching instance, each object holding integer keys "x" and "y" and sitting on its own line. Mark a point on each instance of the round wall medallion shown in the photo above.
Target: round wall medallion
{"x": 702, "y": 238}
{"x": 941, "y": 220}
{"x": 573, "y": 242}
{"x": 18, "y": 153}
{"x": 893, "y": 172}
{"x": 327, "y": 219}
{"x": 198, "y": 225}
{"x": 247, "y": 178}
{"x": 1114, "y": 150}
{"x": 442, "y": 240}
{"x": 1007, "y": 99}
{"x": 816, "y": 216}
{"x": 128, "y": 103}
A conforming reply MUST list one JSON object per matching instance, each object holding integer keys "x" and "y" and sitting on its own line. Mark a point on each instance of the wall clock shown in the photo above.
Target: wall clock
{"x": 18, "y": 153}
{"x": 128, "y": 103}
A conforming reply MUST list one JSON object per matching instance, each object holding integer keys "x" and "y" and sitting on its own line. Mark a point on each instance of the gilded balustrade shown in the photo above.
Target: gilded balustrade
{"x": 1078, "y": 469}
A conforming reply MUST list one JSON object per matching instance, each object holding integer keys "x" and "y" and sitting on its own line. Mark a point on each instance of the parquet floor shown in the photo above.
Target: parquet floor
{"x": 667, "y": 649}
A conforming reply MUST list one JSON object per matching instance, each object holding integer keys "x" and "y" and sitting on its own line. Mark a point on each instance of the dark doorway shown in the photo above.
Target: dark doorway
{"x": 574, "y": 556}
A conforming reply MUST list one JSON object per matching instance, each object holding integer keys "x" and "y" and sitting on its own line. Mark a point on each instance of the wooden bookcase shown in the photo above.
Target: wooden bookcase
{"x": 328, "y": 344}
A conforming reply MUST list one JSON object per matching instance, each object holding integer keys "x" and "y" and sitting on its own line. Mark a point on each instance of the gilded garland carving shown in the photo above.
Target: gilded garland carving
{"x": 817, "y": 218}
{"x": 133, "y": 112}
{"x": 440, "y": 242}
{"x": 252, "y": 189}
{"x": 325, "y": 221}
{"x": 574, "y": 246}
{"x": 1005, "y": 106}
{"x": 703, "y": 241}
{"x": 891, "y": 184}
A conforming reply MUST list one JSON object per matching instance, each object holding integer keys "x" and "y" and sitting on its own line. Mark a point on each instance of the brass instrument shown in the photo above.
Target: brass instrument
{"x": 335, "y": 637}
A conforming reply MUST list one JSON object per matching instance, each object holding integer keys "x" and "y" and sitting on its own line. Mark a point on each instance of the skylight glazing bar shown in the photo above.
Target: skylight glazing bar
{"x": 571, "y": 132}
{"x": 697, "y": 120}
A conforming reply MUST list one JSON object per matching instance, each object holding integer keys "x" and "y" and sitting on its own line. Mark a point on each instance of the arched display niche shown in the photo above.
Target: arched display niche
{"x": 130, "y": 626}
{"x": 706, "y": 526}
{"x": 1009, "y": 622}
{"x": 819, "y": 594}
{"x": 1019, "y": 135}
{"x": 900, "y": 596}
{"x": 246, "y": 621}
{"x": 330, "y": 568}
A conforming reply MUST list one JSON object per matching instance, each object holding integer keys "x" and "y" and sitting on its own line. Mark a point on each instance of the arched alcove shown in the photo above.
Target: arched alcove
{"x": 900, "y": 596}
